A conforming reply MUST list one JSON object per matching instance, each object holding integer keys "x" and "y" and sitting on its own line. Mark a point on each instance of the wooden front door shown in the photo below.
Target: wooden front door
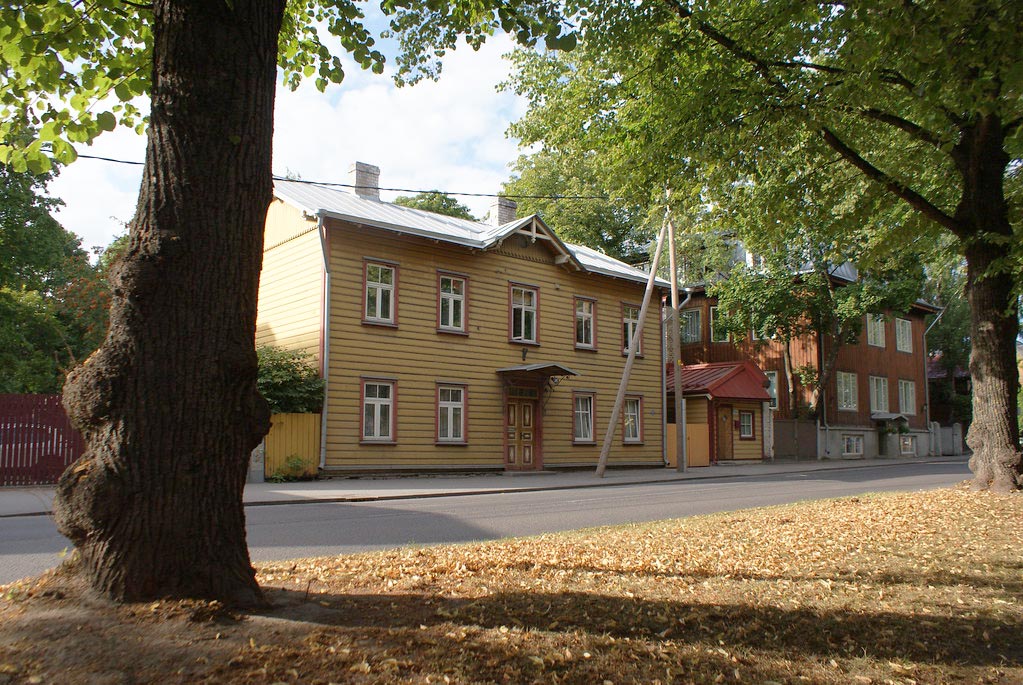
{"x": 521, "y": 435}
{"x": 723, "y": 433}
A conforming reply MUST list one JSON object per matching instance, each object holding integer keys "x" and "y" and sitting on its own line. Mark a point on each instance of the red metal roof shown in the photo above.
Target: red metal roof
{"x": 732, "y": 380}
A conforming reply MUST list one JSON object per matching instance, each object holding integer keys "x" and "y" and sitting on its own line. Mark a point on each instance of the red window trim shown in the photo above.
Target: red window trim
{"x": 511, "y": 318}
{"x": 593, "y": 417}
{"x": 465, "y": 414}
{"x": 752, "y": 424}
{"x": 393, "y": 382}
{"x": 641, "y": 435}
{"x": 366, "y": 262}
{"x": 464, "y": 330}
{"x": 575, "y": 303}
{"x": 621, "y": 330}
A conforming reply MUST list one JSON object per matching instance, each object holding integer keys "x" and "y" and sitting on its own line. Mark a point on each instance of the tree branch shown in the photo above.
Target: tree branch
{"x": 915, "y": 130}
{"x": 904, "y": 192}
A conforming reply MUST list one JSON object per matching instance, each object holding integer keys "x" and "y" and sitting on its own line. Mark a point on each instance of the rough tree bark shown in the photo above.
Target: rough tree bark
{"x": 168, "y": 404}
{"x": 987, "y": 235}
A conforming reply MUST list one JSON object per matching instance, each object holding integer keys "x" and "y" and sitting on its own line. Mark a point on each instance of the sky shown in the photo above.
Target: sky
{"x": 446, "y": 135}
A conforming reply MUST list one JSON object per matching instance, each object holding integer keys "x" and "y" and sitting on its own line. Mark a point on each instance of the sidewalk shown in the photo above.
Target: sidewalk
{"x": 36, "y": 501}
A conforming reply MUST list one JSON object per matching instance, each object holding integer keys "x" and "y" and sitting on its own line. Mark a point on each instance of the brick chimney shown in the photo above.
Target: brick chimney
{"x": 502, "y": 211}
{"x": 366, "y": 179}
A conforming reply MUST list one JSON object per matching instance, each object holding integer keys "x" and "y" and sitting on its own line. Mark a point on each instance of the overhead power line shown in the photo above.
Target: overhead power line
{"x": 392, "y": 190}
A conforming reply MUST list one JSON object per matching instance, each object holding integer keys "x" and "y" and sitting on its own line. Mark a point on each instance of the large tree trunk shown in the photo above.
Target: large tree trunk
{"x": 168, "y": 404}
{"x": 994, "y": 318}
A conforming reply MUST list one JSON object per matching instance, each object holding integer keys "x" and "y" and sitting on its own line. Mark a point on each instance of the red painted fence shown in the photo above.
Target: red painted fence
{"x": 37, "y": 441}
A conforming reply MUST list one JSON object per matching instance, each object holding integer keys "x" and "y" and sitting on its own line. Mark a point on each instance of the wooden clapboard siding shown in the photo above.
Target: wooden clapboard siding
{"x": 696, "y": 410}
{"x": 291, "y": 283}
{"x": 417, "y": 357}
{"x": 746, "y": 448}
{"x": 293, "y": 436}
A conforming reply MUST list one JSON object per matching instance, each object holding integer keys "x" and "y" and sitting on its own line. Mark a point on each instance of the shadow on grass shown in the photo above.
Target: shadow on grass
{"x": 794, "y": 633}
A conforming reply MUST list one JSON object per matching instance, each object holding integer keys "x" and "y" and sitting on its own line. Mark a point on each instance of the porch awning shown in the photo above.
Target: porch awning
{"x": 887, "y": 416}
{"x": 540, "y": 370}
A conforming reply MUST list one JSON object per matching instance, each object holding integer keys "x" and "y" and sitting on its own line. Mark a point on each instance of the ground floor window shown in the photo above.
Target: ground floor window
{"x": 907, "y": 444}
{"x": 746, "y": 425}
{"x": 582, "y": 409}
{"x": 450, "y": 413}
{"x": 632, "y": 430}
{"x": 852, "y": 445}
{"x": 378, "y": 410}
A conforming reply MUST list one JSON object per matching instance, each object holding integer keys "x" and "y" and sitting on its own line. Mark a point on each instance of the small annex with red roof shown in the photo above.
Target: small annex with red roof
{"x": 727, "y": 411}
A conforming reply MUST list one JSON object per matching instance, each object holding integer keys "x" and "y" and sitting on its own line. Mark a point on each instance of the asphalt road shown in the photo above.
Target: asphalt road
{"x": 30, "y": 545}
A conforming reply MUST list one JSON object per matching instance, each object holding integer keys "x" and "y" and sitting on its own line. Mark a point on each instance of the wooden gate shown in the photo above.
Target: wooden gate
{"x": 37, "y": 441}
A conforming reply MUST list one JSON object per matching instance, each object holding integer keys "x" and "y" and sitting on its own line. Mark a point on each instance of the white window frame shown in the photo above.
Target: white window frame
{"x": 876, "y": 392}
{"x": 586, "y": 313}
{"x": 904, "y": 335}
{"x": 521, "y": 313}
{"x": 875, "y": 330}
{"x": 907, "y": 397}
{"x": 772, "y": 390}
{"x": 713, "y": 319}
{"x": 372, "y": 429}
{"x": 909, "y": 440}
{"x": 455, "y": 303}
{"x": 582, "y": 418}
{"x": 451, "y": 416}
{"x": 847, "y": 390}
{"x": 690, "y": 329}
{"x": 632, "y": 420}
{"x": 629, "y": 327}
{"x": 382, "y": 291}
{"x": 745, "y": 434}
{"x": 857, "y": 441}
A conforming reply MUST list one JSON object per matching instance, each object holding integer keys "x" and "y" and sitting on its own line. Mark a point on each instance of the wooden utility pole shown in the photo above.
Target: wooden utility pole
{"x": 633, "y": 346}
{"x": 681, "y": 454}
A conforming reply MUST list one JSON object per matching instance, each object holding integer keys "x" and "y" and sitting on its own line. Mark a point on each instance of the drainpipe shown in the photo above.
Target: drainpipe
{"x": 325, "y": 327}
{"x": 680, "y": 400}
{"x": 822, "y": 404}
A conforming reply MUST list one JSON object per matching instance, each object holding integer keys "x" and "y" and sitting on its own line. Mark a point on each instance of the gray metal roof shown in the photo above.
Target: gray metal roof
{"x": 543, "y": 368}
{"x": 328, "y": 201}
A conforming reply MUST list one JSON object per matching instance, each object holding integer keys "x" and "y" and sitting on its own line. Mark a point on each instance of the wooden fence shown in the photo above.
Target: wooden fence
{"x": 293, "y": 446}
{"x": 795, "y": 439}
{"x": 37, "y": 441}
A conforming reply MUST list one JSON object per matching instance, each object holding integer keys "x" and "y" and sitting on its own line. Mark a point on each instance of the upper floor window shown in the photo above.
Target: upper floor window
{"x": 378, "y": 411}
{"x": 907, "y": 398}
{"x": 903, "y": 335}
{"x": 690, "y": 321}
{"x": 772, "y": 390}
{"x": 381, "y": 292}
{"x": 450, "y": 413}
{"x": 584, "y": 323}
{"x": 847, "y": 394}
{"x": 632, "y": 420}
{"x": 875, "y": 330}
{"x": 630, "y": 324}
{"x": 523, "y": 314}
{"x": 451, "y": 303}
{"x": 878, "y": 394}
{"x": 717, "y": 333}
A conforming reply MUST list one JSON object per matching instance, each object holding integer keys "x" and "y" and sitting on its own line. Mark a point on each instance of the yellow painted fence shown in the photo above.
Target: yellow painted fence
{"x": 697, "y": 444}
{"x": 293, "y": 445}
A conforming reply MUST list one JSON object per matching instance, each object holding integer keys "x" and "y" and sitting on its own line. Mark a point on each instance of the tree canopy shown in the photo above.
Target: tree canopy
{"x": 748, "y": 106}
{"x": 573, "y": 199}
{"x": 437, "y": 202}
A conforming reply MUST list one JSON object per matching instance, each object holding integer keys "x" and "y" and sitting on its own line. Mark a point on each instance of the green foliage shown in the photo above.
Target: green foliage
{"x": 288, "y": 381}
{"x": 293, "y": 469}
{"x": 614, "y": 227}
{"x": 436, "y": 202}
{"x": 70, "y": 71}
{"x": 53, "y": 302}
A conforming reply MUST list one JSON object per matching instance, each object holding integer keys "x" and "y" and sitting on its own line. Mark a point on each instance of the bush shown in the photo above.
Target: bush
{"x": 289, "y": 381}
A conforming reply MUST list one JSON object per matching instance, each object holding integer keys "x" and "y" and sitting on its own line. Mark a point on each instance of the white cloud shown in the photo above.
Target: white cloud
{"x": 446, "y": 135}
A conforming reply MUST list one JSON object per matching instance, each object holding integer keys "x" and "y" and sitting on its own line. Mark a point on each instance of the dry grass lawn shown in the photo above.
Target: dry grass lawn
{"x": 905, "y": 588}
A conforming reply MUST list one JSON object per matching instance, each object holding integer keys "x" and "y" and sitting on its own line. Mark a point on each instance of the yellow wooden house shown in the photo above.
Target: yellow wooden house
{"x": 450, "y": 344}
